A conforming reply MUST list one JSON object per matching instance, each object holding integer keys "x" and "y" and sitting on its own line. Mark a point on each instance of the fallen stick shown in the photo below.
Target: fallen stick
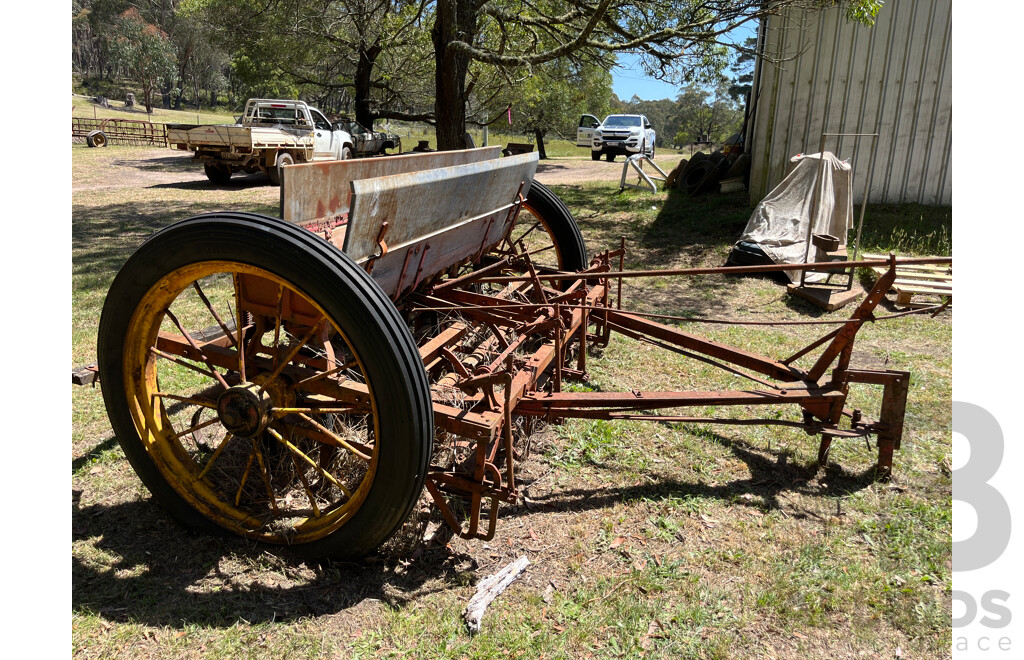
{"x": 489, "y": 589}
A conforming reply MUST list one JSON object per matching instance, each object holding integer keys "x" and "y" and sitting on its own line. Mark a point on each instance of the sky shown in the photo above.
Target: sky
{"x": 628, "y": 78}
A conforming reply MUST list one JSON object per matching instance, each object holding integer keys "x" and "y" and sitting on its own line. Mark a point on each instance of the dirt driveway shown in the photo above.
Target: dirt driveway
{"x": 566, "y": 171}
{"x": 165, "y": 166}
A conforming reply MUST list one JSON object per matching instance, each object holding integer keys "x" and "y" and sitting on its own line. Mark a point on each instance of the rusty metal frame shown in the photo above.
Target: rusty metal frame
{"x": 121, "y": 131}
{"x": 493, "y": 356}
{"x": 557, "y": 320}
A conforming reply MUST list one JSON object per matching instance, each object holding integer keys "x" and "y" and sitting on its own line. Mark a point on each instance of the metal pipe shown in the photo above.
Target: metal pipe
{"x": 721, "y": 270}
{"x": 819, "y": 183}
{"x": 864, "y": 202}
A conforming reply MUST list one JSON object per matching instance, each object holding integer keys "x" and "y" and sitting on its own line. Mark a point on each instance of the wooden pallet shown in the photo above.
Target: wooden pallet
{"x": 913, "y": 282}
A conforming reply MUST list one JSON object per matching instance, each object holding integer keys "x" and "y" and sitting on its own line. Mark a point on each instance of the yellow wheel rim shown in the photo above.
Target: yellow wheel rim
{"x": 305, "y": 466}
{"x": 537, "y": 237}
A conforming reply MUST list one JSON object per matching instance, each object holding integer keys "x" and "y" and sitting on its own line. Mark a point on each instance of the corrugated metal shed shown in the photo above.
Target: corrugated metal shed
{"x": 894, "y": 79}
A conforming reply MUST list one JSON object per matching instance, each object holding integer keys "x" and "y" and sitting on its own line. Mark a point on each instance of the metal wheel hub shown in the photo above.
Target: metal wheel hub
{"x": 244, "y": 410}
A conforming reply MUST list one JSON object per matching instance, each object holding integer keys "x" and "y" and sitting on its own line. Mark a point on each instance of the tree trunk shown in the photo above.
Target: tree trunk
{"x": 456, "y": 20}
{"x": 364, "y": 70}
{"x": 165, "y": 94}
{"x": 541, "y": 154}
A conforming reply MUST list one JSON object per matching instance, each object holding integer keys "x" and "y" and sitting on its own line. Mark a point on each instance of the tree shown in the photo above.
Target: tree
{"x": 143, "y": 50}
{"x": 678, "y": 40}
{"x": 369, "y": 51}
{"x": 662, "y": 114}
{"x": 554, "y": 96}
{"x": 707, "y": 112}
{"x": 742, "y": 69}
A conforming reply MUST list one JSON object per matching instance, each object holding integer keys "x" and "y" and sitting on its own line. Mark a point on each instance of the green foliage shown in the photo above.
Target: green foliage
{"x": 703, "y": 112}
{"x": 907, "y": 229}
{"x": 586, "y": 443}
{"x": 741, "y": 70}
{"x": 552, "y": 99}
{"x": 859, "y": 11}
{"x": 549, "y": 60}
{"x": 143, "y": 50}
{"x": 662, "y": 114}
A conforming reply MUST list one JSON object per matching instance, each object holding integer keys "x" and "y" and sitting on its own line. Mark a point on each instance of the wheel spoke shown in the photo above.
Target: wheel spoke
{"x": 527, "y": 232}
{"x": 364, "y": 451}
{"x": 239, "y": 323}
{"x": 329, "y": 372}
{"x": 342, "y": 409}
{"x": 192, "y": 343}
{"x": 543, "y": 249}
{"x": 245, "y": 475}
{"x": 215, "y": 455}
{"x": 298, "y": 452}
{"x": 213, "y": 312}
{"x": 195, "y": 428}
{"x": 184, "y": 399}
{"x": 266, "y": 477}
{"x": 291, "y": 354}
{"x": 176, "y": 360}
{"x": 277, "y": 323}
{"x": 305, "y": 486}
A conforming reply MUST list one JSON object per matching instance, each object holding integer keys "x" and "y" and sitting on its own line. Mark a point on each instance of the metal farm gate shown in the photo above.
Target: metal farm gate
{"x": 118, "y": 131}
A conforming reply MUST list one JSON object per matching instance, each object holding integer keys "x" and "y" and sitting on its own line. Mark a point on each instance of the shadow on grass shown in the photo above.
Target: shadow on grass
{"x": 704, "y": 221}
{"x": 236, "y": 182}
{"x": 103, "y": 237}
{"x": 773, "y": 474}
{"x": 170, "y": 163}
{"x": 152, "y": 570}
{"x": 685, "y": 232}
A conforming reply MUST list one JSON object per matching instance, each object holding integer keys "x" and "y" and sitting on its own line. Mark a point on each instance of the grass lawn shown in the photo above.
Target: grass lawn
{"x": 645, "y": 540}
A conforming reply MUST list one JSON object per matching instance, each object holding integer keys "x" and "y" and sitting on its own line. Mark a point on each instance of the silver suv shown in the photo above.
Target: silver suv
{"x": 617, "y": 134}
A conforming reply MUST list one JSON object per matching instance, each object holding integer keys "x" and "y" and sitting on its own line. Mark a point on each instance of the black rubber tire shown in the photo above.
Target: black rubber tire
{"x": 218, "y": 173}
{"x": 595, "y": 155}
{"x": 561, "y": 226}
{"x": 609, "y": 157}
{"x": 374, "y": 329}
{"x": 274, "y": 174}
{"x": 695, "y": 177}
{"x": 96, "y": 139}
{"x": 346, "y": 153}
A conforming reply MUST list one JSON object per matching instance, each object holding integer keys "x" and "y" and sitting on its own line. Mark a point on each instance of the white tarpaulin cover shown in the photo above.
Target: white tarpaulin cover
{"x": 779, "y": 222}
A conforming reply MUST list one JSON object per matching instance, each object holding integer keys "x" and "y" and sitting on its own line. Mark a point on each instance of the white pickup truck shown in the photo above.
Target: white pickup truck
{"x": 617, "y": 134}
{"x": 271, "y": 134}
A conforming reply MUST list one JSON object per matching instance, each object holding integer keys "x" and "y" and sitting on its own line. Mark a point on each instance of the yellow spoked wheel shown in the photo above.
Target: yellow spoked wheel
{"x": 260, "y": 382}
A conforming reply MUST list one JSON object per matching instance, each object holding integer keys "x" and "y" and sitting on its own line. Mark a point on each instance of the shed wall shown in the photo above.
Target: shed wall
{"x": 835, "y": 76}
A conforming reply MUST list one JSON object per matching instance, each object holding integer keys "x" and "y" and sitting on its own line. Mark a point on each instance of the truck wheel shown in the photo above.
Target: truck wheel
{"x": 96, "y": 139}
{"x": 346, "y": 153}
{"x": 609, "y": 157}
{"x": 275, "y": 172}
{"x": 315, "y": 434}
{"x": 218, "y": 173}
{"x": 595, "y": 155}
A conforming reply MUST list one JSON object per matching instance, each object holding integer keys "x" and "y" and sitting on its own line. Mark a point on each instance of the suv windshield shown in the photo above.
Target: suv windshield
{"x": 621, "y": 120}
